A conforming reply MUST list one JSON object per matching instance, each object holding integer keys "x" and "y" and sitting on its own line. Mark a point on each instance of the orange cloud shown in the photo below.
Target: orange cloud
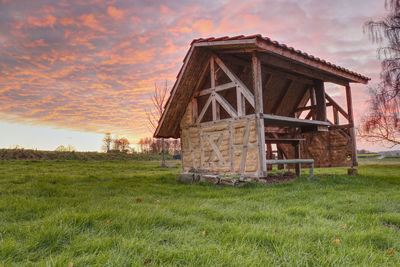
{"x": 90, "y": 21}
{"x": 115, "y": 13}
{"x": 47, "y": 21}
{"x": 204, "y": 27}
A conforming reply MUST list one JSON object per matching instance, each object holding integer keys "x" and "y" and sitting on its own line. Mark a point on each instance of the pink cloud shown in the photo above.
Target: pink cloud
{"x": 91, "y": 65}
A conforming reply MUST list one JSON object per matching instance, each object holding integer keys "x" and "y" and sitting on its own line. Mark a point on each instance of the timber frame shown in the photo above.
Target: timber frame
{"x": 244, "y": 101}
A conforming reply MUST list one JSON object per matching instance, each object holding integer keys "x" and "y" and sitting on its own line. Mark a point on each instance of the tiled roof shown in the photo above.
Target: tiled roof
{"x": 283, "y": 46}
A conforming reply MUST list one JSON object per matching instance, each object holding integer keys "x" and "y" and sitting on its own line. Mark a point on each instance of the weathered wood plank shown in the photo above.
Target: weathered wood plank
{"x": 259, "y": 110}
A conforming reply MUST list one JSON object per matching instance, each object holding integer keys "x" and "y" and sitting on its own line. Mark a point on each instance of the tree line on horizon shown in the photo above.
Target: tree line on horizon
{"x": 146, "y": 145}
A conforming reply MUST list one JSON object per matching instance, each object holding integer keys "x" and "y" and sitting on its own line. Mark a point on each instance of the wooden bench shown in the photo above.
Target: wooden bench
{"x": 295, "y": 142}
{"x": 294, "y": 161}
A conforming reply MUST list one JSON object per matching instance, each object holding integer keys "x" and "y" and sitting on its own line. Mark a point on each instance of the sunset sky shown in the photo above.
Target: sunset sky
{"x": 71, "y": 71}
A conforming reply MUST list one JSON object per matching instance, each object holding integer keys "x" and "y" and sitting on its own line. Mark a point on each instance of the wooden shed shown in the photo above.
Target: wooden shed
{"x": 241, "y": 101}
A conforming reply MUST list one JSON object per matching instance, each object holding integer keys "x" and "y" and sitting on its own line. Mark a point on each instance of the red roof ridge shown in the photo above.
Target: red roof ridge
{"x": 280, "y": 45}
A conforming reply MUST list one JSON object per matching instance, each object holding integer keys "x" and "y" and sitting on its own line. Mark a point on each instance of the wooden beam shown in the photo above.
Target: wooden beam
{"x": 284, "y": 140}
{"x": 214, "y": 106}
{"x": 231, "y": 156}
{"x": 343, "y": 126}
{"x": 259, "y": 111}
{"x": 320, "y": 100}
{"x": 244, "y": 90}
{"x": 299, "y": 100}
{"x": 215, "y": 148}
{"x": 270, "y": 70}
{"x": 338, "y": 107}
{"x": 351, "y": 120}
{"x": 216, "y": 89}
{"x": 225, "y": 104}
{"x": 280, "y": 156}
{"x": 297, "y": 156}
{"x": 335, "y": 116}
{"x": 217, "y": 110}
{"x": 311, "y": 107}
{"x": 195, "y": 110}
{"x": 244, "y": 148}
{"x": 239, "y": 102}
{"x": 304, "y": 65}
{"x": 212, "y": 96}
{"x": 201, "y": 78}
{"x": 203, "y": 111}
{"x": 313, "y": 101}
{"x": 269, "y": 155}
{"x": 275, "y": 120}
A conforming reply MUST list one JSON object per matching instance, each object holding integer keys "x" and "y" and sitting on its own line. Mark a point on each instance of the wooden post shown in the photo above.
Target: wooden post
{"x": 217, "y": 111}
{"x": 239, "y": 101}
{"x": 212, "y": 79}
{"x": 351, "y": 121}
{"x": 280, "y": 156}
{"x": 195, "y": 110}
{"x": 231, "y": 157}
{"x": 335, "y": 116}
{"x": 320, "y": 99}
{"x": 269, "y": 155}
{"x": 297, "y": 156}
{"x": 259, "y": 114}
{"x": 313, "y": 102}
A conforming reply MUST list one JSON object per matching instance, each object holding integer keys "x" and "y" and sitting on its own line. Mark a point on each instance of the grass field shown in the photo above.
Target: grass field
{"x": 130, "y": 213}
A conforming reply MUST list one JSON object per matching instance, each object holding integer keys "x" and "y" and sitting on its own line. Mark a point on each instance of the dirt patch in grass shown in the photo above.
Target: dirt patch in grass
{"x": 279, "y": 178}
{"x": 392, "y": 225}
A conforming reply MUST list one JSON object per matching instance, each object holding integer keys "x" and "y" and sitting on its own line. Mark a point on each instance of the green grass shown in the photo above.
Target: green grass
{"x": 53, "y": 213}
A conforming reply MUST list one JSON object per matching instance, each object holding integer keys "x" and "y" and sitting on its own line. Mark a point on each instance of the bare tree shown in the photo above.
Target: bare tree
{"x": 382, "y": 123}
{"x": 123, "y": 144}
{"x": 107, "y": 141}
{"x": 116, "y": 144}
{"x": 158, "y": 100}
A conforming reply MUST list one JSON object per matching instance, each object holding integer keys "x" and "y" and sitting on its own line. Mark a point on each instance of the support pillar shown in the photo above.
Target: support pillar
{"x": 259, "y": 114}
{"x": 351, "y": 122}
{"x": 320, "y": 99}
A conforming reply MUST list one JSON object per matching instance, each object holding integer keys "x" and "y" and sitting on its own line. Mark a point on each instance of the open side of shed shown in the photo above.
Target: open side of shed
{"x": 241, "y": 101}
